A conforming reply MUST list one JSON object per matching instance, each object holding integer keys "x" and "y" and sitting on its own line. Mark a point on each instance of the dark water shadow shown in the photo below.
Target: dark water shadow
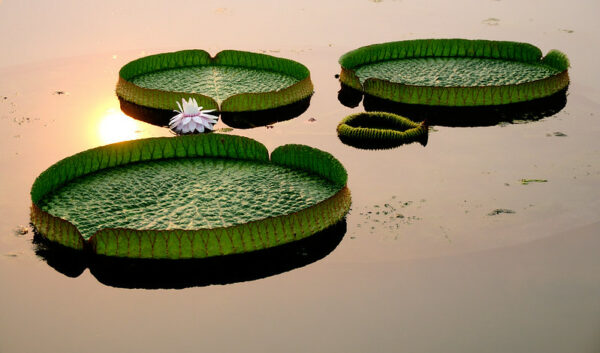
{"x": 237, "y": 120}
{"x": 459, "y": 116}
{"x": 375, "y": 144}
{"x": 248, "y": 120}
{"x": 177, "y": 274}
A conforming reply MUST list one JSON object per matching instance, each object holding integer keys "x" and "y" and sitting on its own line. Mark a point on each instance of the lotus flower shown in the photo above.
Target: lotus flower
{"x": 191, "y": 118}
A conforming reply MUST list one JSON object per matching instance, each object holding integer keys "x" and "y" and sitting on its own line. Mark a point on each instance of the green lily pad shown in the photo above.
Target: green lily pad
{"x": 455, "y": 72}
{"x": 188, "y": 197}
{"x": 232, "y": 81}
{"x": 376, "y": 130}
{"x": 125, "y": 272}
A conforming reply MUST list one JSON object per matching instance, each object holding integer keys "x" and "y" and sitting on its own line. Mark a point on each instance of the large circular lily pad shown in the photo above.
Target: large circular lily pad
{"x": 188, "y": 197}
{"x": 232, "y": 81}
{"x": 455, "y": 72}
{"x": 154, "y": 273}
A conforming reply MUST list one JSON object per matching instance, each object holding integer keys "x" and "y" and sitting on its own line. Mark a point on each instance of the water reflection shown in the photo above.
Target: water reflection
{"x": 459, "y": 116}
{"x": 246, "y": 120}
{"x": 154, "y": 274}
{"x": 238, "y": 120}
{"x": 114, "y": 126}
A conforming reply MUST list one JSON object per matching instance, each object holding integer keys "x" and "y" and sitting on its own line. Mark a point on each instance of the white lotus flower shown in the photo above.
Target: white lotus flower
{"x": 191, "y": 118}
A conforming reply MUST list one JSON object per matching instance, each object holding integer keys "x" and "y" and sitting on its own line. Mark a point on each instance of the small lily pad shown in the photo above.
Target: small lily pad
{"x": 380, "y": 130}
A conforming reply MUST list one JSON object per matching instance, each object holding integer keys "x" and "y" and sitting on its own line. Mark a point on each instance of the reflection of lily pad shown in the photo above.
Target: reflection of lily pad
{"x": 380, "y": 130}
{"x": 238, "y": 120}
{"x": 231, "y": 81}
{"x": 152, "y": 273}
{"x": 455, "y": 72}
{"x": 484, "y": 115}
{"x": 188, "y": 197}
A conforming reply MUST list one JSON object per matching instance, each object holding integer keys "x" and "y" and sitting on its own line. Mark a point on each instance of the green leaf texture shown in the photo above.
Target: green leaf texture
{"x": 232, "y": 81}
{"x": 455, "y": 72}
{"x": 374, "y": 130}
{"x": 189, "y": 196}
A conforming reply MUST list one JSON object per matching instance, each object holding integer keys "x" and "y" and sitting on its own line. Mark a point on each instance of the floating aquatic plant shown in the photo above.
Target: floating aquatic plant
{"x": 380, "y": 130}
{"x": 528, "y": 181}
{"x": 232, "y": 81}
{"x": 455, "y": 72}
{"x": 192, "y": 118}
{"x": 155, "y": 273}
{"x": 191, "y": 196}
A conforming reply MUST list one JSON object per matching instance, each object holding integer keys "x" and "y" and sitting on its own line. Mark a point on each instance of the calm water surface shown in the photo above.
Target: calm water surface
{"x": 445, "y": 276}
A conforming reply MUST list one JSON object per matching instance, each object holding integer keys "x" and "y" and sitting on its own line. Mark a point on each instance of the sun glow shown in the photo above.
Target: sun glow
{"x": 115, "y": 126}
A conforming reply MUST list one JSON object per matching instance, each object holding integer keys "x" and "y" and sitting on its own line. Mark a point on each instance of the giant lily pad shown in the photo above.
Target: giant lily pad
{"x": 232, "y": 81}
{"x": 455, "y": 72}
{"x": 154, "y": 273}
{"x": 188, "y": 197}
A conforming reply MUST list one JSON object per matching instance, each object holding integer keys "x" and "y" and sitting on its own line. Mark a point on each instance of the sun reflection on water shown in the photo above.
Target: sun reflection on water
{"x": 114, "y": 126}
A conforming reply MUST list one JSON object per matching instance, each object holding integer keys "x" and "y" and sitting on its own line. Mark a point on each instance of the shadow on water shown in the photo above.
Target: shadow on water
{"x": 459, "y": 116}
{"x": 237, "y": 120}
{"x": 374, "y": 144}
{"x": 155, "y": 274}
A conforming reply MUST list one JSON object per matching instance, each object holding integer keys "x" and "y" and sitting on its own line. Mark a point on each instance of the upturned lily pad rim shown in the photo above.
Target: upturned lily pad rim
{"x": 391, "y": 130}
{"x": 215, "y": 145}
{"x": 163, "y": 99}
{"x": 455, "y": 47}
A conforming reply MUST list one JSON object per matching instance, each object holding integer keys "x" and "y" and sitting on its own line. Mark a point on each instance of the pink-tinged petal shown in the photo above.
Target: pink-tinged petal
{"x": 176, "y": 128}
{"x": 186, "y": 120}
{"x": 179, "y": 105}
{"x": 208, "y": 117}
{"x": 207, "y": 111}
{"x": 207, "y": 124}
{"x": 200, "y": 128}
{"x": 197, "y": 119}
{"x": 192, "y": 126}
{"x": 176, "y": 118}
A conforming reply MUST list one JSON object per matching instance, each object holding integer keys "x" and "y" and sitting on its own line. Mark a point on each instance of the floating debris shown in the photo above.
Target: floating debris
{"x": 566, "y": 30}
{"x": 527, "y": 181}
{"x": 21, "y": 120}
{"x": 21, "y": 230}
{"x": 224, "y": 129}
{"x": 59, "y": 93}
{"x": 499, "y": 211}
{"x": 11, "y": 254}
{"x": 386, "y": 219}
{"x": 560, "y": 134}
{"x": 269, "y": 126}
{"x": 491, "y": 21}
{"x": 311, "y": 120}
